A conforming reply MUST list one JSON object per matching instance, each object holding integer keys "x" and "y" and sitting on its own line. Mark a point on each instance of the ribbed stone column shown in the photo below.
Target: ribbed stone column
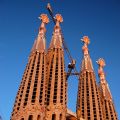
{"x": 30, "y": 99}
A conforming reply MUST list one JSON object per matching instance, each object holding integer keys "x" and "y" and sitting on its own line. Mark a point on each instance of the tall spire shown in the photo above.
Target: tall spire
{"x": 56, "y": 41}
{"x": 88, "y": 98}
{"x": 86, "y": 62}
{"x": 103, "y": 83}
{"x": 107, "y": 103}
{"x": 56, "y": 97}
{"x": 39, "y": 44}
{"x": 30, "y": 99}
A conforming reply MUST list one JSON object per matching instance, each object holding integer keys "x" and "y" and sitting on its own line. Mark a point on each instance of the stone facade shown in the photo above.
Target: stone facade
{"x": 42, "y": 94}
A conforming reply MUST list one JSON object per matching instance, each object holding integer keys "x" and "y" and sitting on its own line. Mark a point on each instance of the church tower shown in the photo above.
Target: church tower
{"x": 30, "y": 99}
{"x": 89, "y": 105}
{"x": 108, "y": 105}
{"x": 56, "y": 78}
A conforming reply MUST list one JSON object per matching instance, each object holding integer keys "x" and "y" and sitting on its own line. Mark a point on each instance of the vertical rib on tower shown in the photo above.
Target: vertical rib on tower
{"x": 30, "y": 99}
{"x": 56, "y": 79}
{"x": 108, "y": 105}
{"x": 88, "y": 99}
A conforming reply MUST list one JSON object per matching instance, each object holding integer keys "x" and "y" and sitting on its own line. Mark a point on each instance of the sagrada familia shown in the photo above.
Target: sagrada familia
{"x": 42, "y": 93}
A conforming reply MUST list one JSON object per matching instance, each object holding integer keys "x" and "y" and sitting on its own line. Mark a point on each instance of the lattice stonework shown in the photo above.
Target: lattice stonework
{"x": 42, "y": 94}
{"x": 108, "y": 105}
{"x": 30, "y": 99}
{"x": 89, "y": 105}
{"x": 56, "y": 80}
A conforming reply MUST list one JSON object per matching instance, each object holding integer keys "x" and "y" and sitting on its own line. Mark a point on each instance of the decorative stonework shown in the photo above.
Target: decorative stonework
{"x": 30, "y": 99}
{"x": 89, "y": 106}
{"x": 58, "y": 18}
{"x": 56, "y": 86}
{"x": 44, "y": 18}
{"x": 108, "y": 106}
{"x": 42, "y": 94}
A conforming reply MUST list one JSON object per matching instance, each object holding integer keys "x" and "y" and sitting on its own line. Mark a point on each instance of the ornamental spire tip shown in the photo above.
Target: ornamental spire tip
{"x": 101, "y": 62}
{"x": 101, "y": 72}
{"x": 44, "y": 18}
{"x": 59, "y": 18}
{"x": 86, "y": 41}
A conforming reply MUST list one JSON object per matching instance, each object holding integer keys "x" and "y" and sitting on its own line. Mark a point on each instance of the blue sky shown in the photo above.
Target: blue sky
{"x": 19, "y": 23}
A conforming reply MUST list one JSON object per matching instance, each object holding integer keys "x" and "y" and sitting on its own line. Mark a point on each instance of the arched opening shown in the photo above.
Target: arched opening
{"x": 60, "y": 116}
{"x": 53, "y": 117}
{"x": 38, "y": 117}
{"x": 30, "y": 117}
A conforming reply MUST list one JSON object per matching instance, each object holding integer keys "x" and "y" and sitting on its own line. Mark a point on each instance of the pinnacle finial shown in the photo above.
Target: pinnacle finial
{"x": 58, "y": 19}
{"x": 44, "y": 18}
{"x": 86, "y": 41}
{"x": 101, "y": 62}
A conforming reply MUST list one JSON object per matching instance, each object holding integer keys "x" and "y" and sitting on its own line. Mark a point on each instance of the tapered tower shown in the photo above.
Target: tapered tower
{"x": 89, "y": 106}
{"x": 108, "y": 105}
{"x": 56, "y": 79}
{"x": 30, "y": 99}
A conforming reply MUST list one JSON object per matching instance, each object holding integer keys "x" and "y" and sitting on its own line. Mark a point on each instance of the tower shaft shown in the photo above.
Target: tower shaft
{"x": 89, "y": 106}
{"x": 108, "y": 105}
{"x": 56, "y": 78}
{"x": 56, "y": 86}
{"x": 30, "y": 99}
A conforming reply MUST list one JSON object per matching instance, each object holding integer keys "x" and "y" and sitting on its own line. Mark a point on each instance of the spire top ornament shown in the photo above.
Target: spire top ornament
{"x": 58, "y": 19}
{"x": 86, "y": 41}
{"x": 44, "y": 18}
{"x": 40, "y": 42}
{"x": 101, "y": 62}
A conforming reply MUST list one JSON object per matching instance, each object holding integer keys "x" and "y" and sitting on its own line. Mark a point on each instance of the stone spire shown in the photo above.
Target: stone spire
{"x": 30, "y": 99}
{"x": 40, "y": 42}
{"x": 56, "y": 41}
{"x": 56, "y": 97}
{"x": 88, "y": 105}
{"x": 107, "y": 102}
{"x": 86, "y": 62}
{"x": 103, "y": 83}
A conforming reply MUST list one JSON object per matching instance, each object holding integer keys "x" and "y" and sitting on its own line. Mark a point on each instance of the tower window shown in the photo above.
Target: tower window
{"x": 53, "y": 117}
{"x": 60, "y": 116}
{"x": 30, "y": 117}
{"x": 38, "y": 118}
